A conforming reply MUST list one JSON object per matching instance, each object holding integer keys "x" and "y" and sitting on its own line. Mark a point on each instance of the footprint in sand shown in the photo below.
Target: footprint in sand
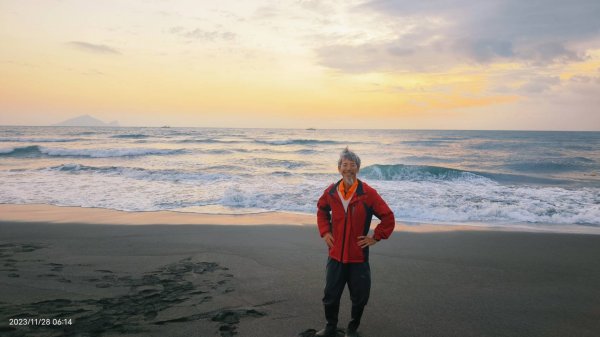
{"x": 312, "y": 332}
{"x": 229, "y": 319}
{"x": 55, "y": 266}
{"x": 148, "y": 296}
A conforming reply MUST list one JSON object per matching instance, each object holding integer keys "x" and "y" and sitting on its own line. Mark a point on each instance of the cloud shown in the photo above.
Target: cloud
{"x": 267, "y": 12}
{"x": 539, "y": 84}
{"x": 506, "y": 19}
{"x": 439, "y": 34}
{"x": 574, "y": 107}
{"x": 93, "y": 48}
{"x": 395, "y": 55}
{"x": 21, "y": 64}
{"x": 201, "y": 34}
{"x": 581, "y": 79}
{"x": 316, "y": 6}
{"x": 585, "y": 79}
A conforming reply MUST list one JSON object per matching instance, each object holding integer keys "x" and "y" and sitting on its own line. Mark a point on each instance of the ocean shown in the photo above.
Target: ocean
{"x": 487, "y": 178}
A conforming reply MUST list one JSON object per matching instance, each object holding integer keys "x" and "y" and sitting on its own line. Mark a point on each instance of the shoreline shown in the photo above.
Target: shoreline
{"x": 102, "y": 216}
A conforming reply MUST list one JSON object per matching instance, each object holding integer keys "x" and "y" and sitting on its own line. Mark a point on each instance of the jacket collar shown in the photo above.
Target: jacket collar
{"x": 359, "y": 188}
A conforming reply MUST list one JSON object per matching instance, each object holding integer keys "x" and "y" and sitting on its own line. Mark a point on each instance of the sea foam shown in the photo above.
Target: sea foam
{"x": 37, "y": 151}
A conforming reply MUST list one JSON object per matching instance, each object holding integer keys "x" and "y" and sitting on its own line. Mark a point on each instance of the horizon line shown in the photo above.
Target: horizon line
{"x": 288, "y": 128}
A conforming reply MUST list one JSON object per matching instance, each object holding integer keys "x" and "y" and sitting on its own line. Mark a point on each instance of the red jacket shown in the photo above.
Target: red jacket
{"x": 347, "y": 226}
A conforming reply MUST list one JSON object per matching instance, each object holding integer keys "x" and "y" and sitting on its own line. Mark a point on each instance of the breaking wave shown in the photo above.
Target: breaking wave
{"x": 40, "y": 151}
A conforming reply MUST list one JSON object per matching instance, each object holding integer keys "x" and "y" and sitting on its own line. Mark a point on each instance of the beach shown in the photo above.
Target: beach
{"x": 179, "y": 275}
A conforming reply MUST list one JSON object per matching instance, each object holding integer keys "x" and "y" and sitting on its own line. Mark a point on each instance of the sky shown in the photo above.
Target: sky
{"x": 439, "y": 64}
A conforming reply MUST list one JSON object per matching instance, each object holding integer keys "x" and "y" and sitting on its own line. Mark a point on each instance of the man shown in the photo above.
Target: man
{"x": 344, "y": 214}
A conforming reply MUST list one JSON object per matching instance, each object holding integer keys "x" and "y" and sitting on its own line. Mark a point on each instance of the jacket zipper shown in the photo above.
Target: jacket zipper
{"x": 344, "y": 235}
{"x": 345, "y": 220}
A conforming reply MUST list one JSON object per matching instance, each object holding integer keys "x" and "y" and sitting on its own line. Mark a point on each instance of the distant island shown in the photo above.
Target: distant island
{"x": 86, "y": 120}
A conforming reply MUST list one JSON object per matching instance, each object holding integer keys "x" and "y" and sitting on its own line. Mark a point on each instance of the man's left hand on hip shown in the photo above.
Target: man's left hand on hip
{"x": 365, "y": 241}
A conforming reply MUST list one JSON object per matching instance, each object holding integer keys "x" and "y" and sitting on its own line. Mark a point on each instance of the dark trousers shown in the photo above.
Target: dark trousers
{"x": 358, "y": 277}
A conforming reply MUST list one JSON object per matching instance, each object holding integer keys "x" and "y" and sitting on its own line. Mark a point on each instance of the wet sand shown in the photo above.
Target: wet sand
{"x": 267, "y": 280}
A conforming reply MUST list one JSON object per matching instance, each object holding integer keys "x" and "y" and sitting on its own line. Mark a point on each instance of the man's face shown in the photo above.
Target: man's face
{"x": 348, "y": 170}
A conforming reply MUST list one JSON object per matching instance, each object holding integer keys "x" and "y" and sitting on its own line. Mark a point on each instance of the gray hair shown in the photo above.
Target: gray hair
{"x": 348, "y": 155}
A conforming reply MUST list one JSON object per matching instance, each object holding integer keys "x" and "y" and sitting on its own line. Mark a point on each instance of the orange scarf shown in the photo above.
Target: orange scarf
{"x": 350, "y": 190}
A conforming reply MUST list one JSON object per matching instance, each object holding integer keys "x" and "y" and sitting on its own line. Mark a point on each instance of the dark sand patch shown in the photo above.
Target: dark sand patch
{"x": 149, "y": 295}
{"x": 8, "y": 250}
